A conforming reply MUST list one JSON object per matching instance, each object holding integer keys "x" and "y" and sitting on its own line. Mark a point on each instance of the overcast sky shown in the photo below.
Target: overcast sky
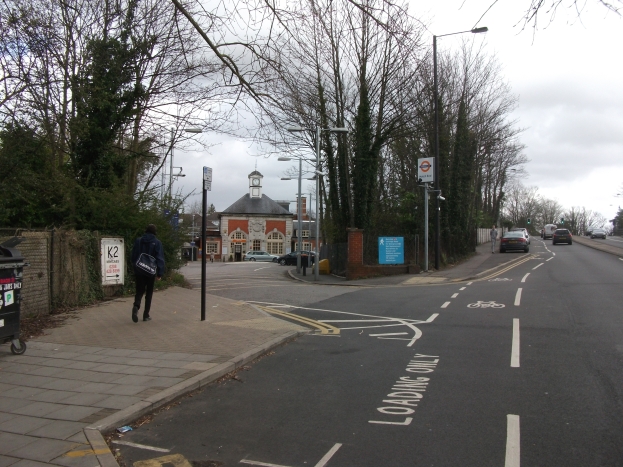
{"x": 567, "y": 75}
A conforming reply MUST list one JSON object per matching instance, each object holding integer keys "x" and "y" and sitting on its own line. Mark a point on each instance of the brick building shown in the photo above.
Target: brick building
{"x": 255, "y": 222}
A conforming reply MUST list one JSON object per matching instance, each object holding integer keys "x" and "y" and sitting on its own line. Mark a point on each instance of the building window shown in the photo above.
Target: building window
{"x": 275, "y": 243}
{"x": 307, "y": 246}
{"x": 257, "y": 245}
{"x": 238, "y": 235}
{"x": 211, "y": 247}
{"x": 305, "y": 233}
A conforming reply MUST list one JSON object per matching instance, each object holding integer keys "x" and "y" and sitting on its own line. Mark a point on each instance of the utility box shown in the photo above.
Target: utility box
{"x": 11, "y": 277}
{"x": 324, "y": 267}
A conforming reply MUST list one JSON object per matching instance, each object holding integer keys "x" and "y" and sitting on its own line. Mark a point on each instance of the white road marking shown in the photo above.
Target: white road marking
{"x": 455, "y": 295}
{"x": 259, "y": 269}
{"x": 621, "y": 259}
{"x": 462, "y": 288}
{"x": 515, "y": 345}
{"x": 445, "y": 305}
{"x": 512, "y": 441}
{"x": 264, "y": 464}
{"x": 322, "y": 462}
{"x": 390, "y": 334}
{"x": 469, "y": 283}
{"x": 538, "y": 266}
{"x": 406, "y": 422}
{"x": 525, "y": 277}
{"x": 518, "y": 297}
{"x": 141, "y": 446}
{"x": 553, "y": 253}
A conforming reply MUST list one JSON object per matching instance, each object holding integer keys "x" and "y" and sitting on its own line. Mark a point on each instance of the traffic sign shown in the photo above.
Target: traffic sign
{"x": 207, "y": 185}
{"x": 207, "y": 174}
{"x": 425, "y": 169}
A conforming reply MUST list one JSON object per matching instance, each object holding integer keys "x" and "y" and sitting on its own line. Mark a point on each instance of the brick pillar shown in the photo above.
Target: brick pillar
{"x": 355, "y": 247}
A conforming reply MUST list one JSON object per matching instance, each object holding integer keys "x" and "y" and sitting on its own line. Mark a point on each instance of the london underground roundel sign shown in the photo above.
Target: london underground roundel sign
{"x": 425, "y": 169}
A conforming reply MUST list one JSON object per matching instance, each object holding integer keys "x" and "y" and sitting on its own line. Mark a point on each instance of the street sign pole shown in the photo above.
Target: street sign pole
{"x": 425, "y": 227}
{"x": 207, "y": 185}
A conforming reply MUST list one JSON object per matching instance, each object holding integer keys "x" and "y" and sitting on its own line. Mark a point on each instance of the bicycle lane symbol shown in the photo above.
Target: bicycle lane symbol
{"x": 481, "y": 304}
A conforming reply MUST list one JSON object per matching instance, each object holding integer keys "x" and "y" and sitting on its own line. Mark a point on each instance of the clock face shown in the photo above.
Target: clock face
{"x": 256, "y": 181}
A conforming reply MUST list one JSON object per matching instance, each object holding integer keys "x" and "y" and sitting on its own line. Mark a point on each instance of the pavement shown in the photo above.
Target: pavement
{"x": 100, "y": 371}
{"x": 475, "y": 267}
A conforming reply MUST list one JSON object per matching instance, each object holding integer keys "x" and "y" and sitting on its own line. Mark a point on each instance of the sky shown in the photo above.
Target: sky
{"x": 567, "y": 74}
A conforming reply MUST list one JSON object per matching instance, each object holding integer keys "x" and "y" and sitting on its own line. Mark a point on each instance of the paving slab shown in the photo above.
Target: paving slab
{"x": 103, "y": 370}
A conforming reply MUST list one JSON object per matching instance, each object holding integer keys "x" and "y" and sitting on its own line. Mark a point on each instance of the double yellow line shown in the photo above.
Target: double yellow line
{"x": 322, "y": 327}
{"x": 508, "y": 268}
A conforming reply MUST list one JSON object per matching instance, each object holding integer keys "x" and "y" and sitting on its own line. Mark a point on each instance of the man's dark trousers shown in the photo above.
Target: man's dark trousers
{"x": 144, "y": 285}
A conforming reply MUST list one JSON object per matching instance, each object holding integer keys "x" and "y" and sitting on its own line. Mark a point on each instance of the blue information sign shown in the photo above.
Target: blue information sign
{"x": 391, "y": 250}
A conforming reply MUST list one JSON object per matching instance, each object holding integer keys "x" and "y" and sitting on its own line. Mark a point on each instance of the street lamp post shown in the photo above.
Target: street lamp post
{"x": 436, "y": 165}
{"x": 299, "y": 209}
{"x": 317, "y": 175}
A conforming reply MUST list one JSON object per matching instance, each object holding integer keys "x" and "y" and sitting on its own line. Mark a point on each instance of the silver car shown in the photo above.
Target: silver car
{"x": 525, "y": 233}
{"x": 259, "y": 256}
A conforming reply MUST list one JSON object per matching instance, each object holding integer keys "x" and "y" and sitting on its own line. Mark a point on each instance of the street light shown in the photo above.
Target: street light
{"x": 318, "y": 175}
{"x": 298, "y": 208}
{"x": 436, "y": 165}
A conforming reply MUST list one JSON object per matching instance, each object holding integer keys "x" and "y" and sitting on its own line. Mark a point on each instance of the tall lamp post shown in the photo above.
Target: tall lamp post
{"x": 299, "y": 209}
{"x": 436, "y": 165}
{"x": 318, "y": 174}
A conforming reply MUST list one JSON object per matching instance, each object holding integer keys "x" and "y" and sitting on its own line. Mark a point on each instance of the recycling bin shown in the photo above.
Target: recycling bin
{"x": 11, "y": 274}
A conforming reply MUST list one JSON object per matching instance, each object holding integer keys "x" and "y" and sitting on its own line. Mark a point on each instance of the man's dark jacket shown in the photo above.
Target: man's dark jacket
{"x": 149, "y": 244}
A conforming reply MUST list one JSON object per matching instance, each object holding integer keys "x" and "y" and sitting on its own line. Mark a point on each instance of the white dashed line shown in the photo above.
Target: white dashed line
{"x": 549, "y": 259}
{"x": 455, "y": 295}
{"x": 525, "y": 277}
{"x": 518, "y": 297}
{"x": 322, "y": 462}
{"x": 512, "y": 441}
{"x": 515, "y": 345}
{"x": 537, "y": 266}
{"x": 463, "y": 288}
{"x": 469, "y": 283}
{"x": 445, "y": 305}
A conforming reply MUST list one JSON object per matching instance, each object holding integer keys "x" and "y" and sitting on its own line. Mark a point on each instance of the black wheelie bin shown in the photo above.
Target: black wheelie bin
{"x": 11, "y": 273}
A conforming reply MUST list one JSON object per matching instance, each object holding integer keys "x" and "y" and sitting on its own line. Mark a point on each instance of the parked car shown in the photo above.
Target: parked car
{"x": 289, "y": 259}
{"x": 598, "y": 233}
{"x": 562, "y": 236}
{"x": 525, "y": 232}
{"x": 514, "y": 240}
{"x": 548, "y": 231}
{"x": 259, "y": 256}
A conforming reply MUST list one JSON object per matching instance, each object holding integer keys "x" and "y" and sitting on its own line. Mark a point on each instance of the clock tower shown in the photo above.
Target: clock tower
{"x": 255, "y": 184}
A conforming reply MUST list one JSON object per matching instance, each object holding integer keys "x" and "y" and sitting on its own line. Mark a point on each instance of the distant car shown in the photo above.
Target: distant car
{"x": 289, "y": 259}
{"x": 589, "y": 230}
{"x": 598, "y": 233}
{"x": 548, "y": 231}
{"x": 259, "y": 256}
{"x": 514, "y": 241}
{"x": 525, "y": 232}
{"x": 562, "y": 236}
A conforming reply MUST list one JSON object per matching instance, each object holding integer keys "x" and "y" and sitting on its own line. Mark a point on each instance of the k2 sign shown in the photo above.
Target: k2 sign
{"x": 112, "y": 254}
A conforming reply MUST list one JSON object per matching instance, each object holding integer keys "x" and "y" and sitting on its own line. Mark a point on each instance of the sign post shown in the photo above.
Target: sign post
{"x": 391, "y": 250}
{"x": 207, "y": 186}
{"x": 426, "y": 169}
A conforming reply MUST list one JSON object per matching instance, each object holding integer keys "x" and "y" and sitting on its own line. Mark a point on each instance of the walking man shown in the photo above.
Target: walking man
{"x": 211, "y": 256}
{"x": 494, "y": 237}
{"x": 150, "y": 267}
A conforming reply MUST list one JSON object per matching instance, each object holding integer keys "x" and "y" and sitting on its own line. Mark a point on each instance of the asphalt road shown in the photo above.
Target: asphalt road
{"x": 517, "y": 369}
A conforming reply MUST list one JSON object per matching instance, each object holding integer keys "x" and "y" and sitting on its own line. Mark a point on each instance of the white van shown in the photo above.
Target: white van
{"x": 548, "y": 231}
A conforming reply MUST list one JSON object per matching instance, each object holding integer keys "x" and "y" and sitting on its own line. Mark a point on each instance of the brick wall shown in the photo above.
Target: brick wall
{"x": 279, "y": 225}
{"x": 234, "y": 224}
{"x": 355, "y": 247}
